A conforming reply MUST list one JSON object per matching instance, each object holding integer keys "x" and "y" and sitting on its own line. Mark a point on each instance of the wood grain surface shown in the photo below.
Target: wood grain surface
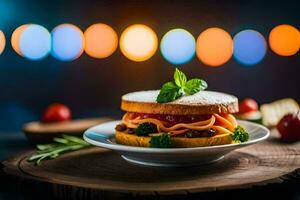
{"x": 97, "y": 171}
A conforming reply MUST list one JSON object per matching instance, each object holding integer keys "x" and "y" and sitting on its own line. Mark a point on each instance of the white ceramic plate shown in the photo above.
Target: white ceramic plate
{"x": 103, "y": 136}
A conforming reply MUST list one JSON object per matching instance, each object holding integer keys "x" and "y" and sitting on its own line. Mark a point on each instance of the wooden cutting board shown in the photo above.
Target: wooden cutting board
{"x": 38, "y": 132}
{"x": 95, "y": 172}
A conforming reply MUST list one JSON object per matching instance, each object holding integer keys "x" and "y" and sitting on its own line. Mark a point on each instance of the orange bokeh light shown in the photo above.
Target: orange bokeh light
{"x": 138, "y": 42}
{"x": 284, "y": 40}
{"x": 100, "y": 40}
{"x": 2, "y": 42}
{"x": 214, "y": 47}
{"x": 15, "y": 38}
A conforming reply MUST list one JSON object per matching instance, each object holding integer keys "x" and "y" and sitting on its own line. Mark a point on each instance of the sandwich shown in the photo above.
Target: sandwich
{"x": 179, "y": 116}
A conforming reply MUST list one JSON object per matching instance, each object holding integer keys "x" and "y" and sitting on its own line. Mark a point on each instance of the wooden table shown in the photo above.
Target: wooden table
{"x": 95, "y": 172}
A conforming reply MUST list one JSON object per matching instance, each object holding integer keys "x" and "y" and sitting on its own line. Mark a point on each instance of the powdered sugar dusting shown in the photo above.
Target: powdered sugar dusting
{"x": 200, "y": 98}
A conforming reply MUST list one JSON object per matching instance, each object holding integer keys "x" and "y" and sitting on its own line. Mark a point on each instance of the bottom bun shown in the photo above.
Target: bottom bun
{"x": 179, "y": 142}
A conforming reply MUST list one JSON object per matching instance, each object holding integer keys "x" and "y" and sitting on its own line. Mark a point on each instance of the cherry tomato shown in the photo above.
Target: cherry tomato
{"x": 57, "y": 113}
{"x": 248, "y": 105}
{"x": 289, "y": 127}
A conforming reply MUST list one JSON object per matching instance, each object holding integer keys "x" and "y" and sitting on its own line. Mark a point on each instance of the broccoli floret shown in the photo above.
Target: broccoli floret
{"x": 160, "y": 140}
{"x": 146, "y": 128}
{"x": 240, "y": 134}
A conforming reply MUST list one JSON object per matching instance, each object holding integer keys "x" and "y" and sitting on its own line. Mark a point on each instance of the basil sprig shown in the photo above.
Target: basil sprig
{"x": 59, "y": 146}
{"x": 180, "y": 86}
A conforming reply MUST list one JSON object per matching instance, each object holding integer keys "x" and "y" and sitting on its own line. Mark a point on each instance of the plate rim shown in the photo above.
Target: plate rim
{"x": 126, "y": 148}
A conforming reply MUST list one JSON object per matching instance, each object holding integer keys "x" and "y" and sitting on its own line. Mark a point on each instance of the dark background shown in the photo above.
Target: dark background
{"x": 92, "y": 87}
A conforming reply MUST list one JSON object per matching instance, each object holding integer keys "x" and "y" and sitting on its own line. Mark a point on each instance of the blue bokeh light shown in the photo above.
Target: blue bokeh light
{"x": 67, "y": 42}
{"x": 250, "y": 47}
{"x": 35, "y": 42}
{"x": 178, "y": 46}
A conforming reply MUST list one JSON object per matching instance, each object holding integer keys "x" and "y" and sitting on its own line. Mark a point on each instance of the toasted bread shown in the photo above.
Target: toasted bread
{"x": 273, "y": 112}
{"x": 177, "y": 142}
{"x": 204, "y": 102}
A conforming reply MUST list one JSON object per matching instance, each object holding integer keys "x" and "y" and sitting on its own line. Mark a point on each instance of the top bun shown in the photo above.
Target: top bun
{"x": 203, "y": 102}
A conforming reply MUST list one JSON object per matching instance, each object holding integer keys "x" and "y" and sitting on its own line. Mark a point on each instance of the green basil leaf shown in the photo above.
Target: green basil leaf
{"x": 169, "y": 85}
{"x": 167, "y": 95}
{"x": 179, "y": 78}
{"x": 194, "y": 85}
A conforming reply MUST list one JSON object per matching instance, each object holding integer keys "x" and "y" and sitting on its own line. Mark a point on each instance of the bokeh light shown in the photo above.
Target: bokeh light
{"x": 2, "y": 41}
{"x": 178, "y": 46}
{"x": 100, "y": 40}
{"x": 250, "y": 47}
{"x": 35, "y": 42}
{"x": 67, "y": 42}
{"x": 138, "y": 42}
{"x": 214, "y": 47}
{"x": 285, "y": 40}
{"x": 15, "y": 38}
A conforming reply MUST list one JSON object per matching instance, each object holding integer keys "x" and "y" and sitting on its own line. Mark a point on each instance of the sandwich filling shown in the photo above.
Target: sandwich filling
{"x": 190, "y": 126}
